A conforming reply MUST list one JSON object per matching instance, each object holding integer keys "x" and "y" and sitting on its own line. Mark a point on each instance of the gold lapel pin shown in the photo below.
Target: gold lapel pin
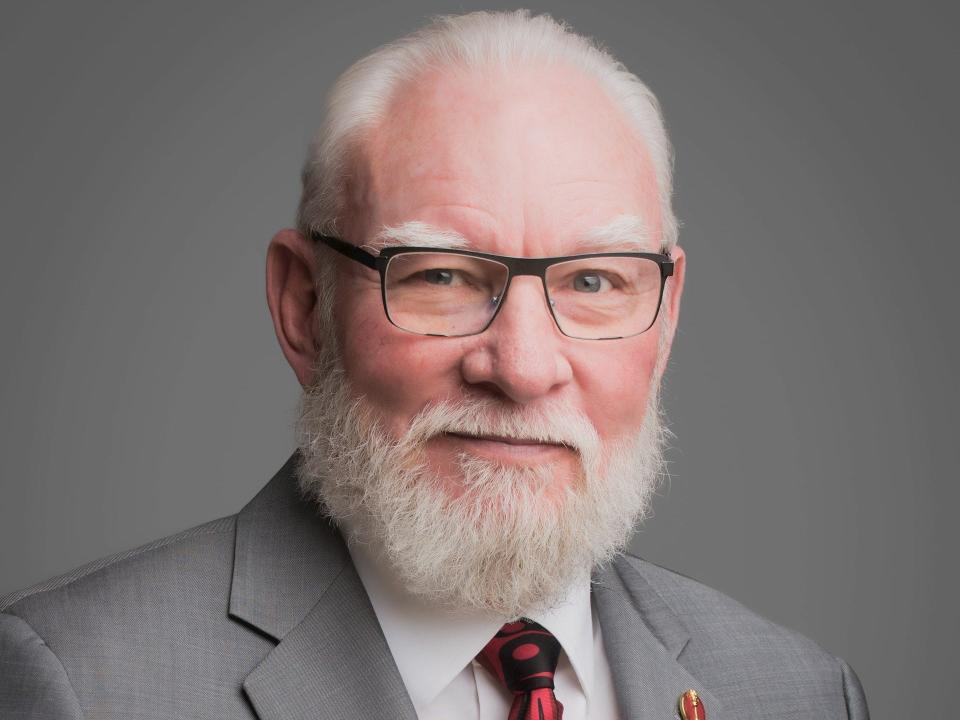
{"x": 691, "y": 706}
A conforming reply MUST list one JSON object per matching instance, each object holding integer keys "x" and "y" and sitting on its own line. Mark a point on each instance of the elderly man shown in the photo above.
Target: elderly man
{"x": 479, "y": 301}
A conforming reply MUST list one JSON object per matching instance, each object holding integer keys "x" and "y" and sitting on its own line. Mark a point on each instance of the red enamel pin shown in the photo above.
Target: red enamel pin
{"x": 691, "y": 706}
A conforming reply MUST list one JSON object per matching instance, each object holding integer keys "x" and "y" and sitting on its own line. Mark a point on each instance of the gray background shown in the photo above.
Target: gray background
{"x": 150, "y": 151}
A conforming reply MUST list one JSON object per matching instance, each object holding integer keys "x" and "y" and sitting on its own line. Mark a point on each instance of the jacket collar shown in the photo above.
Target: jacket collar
{"x": 294, "y": 581}
{"x": 643, "y": 639}
{"x": 285, "y": 556}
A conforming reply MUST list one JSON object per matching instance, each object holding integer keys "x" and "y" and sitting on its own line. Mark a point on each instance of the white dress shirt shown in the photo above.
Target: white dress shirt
{"x": 434, "y": 650}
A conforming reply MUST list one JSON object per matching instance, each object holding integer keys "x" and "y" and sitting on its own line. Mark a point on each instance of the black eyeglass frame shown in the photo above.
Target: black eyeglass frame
{"x": 536, "y": 267}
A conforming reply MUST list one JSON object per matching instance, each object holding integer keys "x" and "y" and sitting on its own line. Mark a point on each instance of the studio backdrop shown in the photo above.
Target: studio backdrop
{"x": 150, "y": 150}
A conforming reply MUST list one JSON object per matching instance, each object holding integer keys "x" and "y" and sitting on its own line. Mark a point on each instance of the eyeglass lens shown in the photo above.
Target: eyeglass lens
{"x": 590, "y": 298}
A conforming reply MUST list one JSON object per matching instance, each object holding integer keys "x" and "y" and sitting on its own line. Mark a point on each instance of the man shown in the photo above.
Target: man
{"x": 479, "y": 301}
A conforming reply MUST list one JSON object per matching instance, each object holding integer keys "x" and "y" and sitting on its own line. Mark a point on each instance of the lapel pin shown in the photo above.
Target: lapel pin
{"x": 691, "y": 706}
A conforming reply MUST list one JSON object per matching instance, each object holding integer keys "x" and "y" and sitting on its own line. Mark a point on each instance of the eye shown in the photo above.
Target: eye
{"x": 590, "y": 282}
{"x": 438, "y": 276}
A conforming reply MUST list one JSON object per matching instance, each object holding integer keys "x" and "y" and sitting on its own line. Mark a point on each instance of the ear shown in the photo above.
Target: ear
{"x": 293, "y": 300}
{"x": 672, "y": 302}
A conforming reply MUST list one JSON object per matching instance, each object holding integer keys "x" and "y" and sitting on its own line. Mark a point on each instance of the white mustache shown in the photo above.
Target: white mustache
{"x": 556, "y": 424}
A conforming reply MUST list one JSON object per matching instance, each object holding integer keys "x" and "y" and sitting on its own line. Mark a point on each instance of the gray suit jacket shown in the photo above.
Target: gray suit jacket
{"x": 262, "y": 615}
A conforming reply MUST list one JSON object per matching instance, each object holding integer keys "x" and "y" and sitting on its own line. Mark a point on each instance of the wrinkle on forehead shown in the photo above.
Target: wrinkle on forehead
{"x": 493, "y": 139}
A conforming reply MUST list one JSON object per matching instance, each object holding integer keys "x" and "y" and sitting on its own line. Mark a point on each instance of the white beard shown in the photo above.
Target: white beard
{"x": 510, "y": 543}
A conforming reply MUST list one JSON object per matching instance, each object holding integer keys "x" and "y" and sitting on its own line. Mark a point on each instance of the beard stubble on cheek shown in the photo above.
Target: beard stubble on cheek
{"x": 509, "y": 541}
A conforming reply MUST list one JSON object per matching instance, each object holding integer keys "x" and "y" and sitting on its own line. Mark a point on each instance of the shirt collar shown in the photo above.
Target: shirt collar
{"x": 572, "y": 624}
{"x": 430, "y": 646}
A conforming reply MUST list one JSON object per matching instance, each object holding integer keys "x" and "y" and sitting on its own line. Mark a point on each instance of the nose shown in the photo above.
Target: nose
{"x": 521, "y": 355}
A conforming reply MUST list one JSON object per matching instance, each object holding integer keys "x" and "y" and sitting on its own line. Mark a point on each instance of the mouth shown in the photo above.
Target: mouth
{"x": 509, "y": 440}
{"x": 552, "y": 461}
{"x": 504, "y": 444}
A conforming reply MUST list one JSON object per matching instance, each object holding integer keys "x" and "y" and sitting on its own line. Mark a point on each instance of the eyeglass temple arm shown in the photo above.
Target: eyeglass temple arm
{"x": 345, "y": 248}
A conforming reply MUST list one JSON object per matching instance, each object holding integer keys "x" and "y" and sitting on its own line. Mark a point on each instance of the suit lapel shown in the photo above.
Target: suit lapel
{"x": 643, "y": 638}
{"x": 335, "y": 665}
{"x": 294, "y": 581}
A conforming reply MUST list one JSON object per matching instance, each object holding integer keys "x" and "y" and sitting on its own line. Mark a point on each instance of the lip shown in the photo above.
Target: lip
{"x": 503, "y": 439}
{"x": 506, "y": 448}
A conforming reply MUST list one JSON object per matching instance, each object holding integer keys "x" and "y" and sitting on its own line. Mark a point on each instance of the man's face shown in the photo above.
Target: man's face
{"x": 492, "y": 471}
{"x": 525, "y": 164}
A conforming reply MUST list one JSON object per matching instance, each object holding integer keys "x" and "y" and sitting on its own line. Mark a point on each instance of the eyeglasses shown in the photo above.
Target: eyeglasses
{"x": 452, "y": 293}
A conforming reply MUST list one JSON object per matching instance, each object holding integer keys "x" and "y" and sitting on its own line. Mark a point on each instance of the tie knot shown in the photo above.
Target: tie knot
{"x": 522, "y": 655}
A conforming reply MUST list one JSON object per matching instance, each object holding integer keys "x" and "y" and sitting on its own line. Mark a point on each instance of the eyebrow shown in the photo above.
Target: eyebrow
{"x": 417, "y": 234}
{"x": 627, "y": 233}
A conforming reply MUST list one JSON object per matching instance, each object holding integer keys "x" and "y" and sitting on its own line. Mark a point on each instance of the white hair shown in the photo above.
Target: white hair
{"x": 361, "y": 97}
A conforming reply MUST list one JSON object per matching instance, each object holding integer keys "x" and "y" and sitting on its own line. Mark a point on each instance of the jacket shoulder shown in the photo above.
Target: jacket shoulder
{"x": 138, "y": 593}
{"x": 100, "y": 633}
{"x": 711, "y": 615}
{"x": 197, "y": 545}
{"x": 743, "y": 654}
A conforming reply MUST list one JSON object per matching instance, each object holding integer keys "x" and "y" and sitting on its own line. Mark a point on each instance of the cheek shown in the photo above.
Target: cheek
{"x": 397, "y": 372}
{"x": 616, "y": 386}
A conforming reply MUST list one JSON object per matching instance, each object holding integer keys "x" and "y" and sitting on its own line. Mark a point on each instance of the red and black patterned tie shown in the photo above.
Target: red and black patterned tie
{"x": 523, "y": 657}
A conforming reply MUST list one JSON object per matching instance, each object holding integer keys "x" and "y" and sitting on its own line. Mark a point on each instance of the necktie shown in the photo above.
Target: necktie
{"x": 523, "y": 657}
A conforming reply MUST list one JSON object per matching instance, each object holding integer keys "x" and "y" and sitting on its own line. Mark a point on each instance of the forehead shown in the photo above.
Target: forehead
{"x": 509, "y": 152}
